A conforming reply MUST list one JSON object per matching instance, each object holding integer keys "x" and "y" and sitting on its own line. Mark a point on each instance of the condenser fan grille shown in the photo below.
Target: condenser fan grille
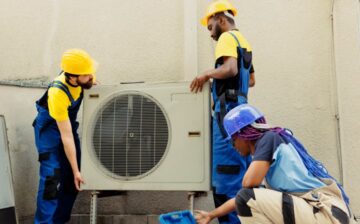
{"x": 130, "y": 135}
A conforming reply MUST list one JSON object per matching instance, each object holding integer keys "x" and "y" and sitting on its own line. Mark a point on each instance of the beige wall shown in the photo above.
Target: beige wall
{"x": 347, "y": 58}
{"x": 160, "y": 40}
{"x": 132, "y": 40}
{"x": 292, "y": 44}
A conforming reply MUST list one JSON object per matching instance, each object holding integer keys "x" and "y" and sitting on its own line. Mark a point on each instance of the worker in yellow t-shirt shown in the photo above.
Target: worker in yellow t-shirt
{"x": 232, "y": 76}
{"x": 56, "y": 137}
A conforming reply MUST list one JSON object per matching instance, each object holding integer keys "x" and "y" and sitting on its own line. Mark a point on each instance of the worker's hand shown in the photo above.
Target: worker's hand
{"x": 197, "y": 84}
{"x": 202, "y": 217}
{"x": 78, "y": 180}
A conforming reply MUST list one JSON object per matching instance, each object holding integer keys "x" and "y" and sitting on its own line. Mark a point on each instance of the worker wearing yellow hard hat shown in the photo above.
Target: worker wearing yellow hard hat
{"x": 77, "y": 61}
{"x": 218, "y": 7}
{"x": 56, "y": 137}
{"x": 231, "y": 78}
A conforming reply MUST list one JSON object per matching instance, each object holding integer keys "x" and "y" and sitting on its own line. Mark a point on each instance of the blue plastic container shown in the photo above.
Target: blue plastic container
{"x": 179, "y": 217}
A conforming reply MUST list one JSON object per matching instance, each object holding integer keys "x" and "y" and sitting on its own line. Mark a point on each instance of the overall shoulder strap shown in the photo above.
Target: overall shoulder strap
{"x": 63, "y": 87}
{"x": 244, "y": 79}
{"x": 237, "y": 40}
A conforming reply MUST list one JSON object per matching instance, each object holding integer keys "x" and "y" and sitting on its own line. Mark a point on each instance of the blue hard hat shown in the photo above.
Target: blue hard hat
{"x": 240, "y": 117}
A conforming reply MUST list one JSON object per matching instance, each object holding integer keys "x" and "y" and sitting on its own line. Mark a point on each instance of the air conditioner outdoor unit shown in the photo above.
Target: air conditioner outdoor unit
{"x": 146, "y": 136}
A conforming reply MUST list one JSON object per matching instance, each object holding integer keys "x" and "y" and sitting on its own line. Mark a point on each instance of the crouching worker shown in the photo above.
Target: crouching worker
{"x": 56, "y": 138}
{"x": 298, "y": 189}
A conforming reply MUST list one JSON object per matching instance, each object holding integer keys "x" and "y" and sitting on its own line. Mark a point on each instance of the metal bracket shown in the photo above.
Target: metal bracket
{"x": 191, "y": 198}
{"x": 100, "y": 194}
{"x": 93, "y": 207}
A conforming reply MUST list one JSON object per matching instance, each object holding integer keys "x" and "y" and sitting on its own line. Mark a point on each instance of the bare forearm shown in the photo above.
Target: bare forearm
{"x": 252, "y": 80}
{"x": 67, "y": 139}
{"x": 224, "y": 209}
{"x": 70, "y": 152}
{"x": 222, "y": 72}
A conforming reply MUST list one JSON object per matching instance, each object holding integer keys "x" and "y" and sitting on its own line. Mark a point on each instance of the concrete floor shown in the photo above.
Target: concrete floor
{"x": 107, "y": 219}
{"x": 128, "y": 209}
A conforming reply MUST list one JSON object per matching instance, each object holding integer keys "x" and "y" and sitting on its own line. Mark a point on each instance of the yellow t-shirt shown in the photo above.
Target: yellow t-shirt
{"x": 58, "y": 100}
{"x": 227, "y": 45}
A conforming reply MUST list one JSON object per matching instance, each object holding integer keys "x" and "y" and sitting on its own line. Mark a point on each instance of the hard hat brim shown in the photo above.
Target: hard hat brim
{"x": 204, "y": 21}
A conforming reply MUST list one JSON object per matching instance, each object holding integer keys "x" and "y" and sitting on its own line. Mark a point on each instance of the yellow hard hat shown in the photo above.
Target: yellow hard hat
{"x": 216, "y": 7}
{"x": 78, "y": 62}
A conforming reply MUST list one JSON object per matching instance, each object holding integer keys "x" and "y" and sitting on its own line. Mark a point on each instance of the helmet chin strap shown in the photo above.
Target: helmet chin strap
{"x": 228, "y": 14}
{"x": 261, "y": 126}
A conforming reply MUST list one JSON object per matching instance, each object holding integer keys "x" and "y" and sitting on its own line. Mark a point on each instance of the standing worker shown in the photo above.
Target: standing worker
{"x": 57, "y": 140}
{"x": 299, "y": 189}
{"x": 232, "y": 76}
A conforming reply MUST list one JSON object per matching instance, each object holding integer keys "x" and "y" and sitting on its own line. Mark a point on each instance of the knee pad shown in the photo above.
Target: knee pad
{"x": 51, "y": 187}
{"x": 242, "y": 197}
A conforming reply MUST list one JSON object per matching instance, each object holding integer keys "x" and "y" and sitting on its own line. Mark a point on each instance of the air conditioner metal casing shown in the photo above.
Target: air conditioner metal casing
{"x": 185, "y": 164}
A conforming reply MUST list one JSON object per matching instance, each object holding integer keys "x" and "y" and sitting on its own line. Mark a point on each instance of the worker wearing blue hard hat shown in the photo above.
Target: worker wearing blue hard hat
{"x": 284, "y": 183}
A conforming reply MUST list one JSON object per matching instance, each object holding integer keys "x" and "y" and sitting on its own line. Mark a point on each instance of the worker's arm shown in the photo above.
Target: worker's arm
{"x": 252, "y": 79}
{"x": 67, "y": 139}
{"x": 203, "y": 217}
{"x": 255, "y": 174}
{"x": 226, "y": 70}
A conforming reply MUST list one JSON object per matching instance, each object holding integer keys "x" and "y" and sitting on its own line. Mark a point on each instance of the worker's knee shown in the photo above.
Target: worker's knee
{"x": 51, "y": 185}
{"x": 242, "y": 197}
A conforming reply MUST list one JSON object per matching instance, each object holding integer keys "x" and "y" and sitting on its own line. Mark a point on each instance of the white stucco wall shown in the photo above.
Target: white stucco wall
{"x": 293, "y": 67}
{"x": 149, "y": 40}
{"x": 292, "y": 48}
{"x": 347, "y": 58}
{"x": 141, "y": 40}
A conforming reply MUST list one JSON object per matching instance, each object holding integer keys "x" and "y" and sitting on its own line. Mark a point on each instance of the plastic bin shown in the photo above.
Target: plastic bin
{"x": 179, "y": 217}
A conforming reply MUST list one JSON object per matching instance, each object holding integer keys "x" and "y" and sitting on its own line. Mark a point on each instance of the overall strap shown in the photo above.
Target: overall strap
{"x": 63, "y": 87}
{"x": 221, "y": 114}
{"x": 237, "y": 40}
{"x": 244, "y": 78}
{"x": 232, "y": 94}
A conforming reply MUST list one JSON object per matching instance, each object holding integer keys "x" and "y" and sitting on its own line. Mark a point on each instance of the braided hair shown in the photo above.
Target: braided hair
{"x": 256, "y": 130}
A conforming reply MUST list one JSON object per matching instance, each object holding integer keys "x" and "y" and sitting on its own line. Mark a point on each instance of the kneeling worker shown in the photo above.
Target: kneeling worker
{"x": 298, "y": 188}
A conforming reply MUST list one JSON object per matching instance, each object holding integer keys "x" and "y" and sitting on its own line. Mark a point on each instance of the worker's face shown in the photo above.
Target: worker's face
{"x": 214, "y": 28}
{"x": 85, "y": 81}
{"x": 242, "y": 146}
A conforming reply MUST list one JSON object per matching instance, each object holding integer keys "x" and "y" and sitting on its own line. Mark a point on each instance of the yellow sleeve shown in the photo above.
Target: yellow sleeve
{"x": 58, "y": 103}
{"x": 226, "y": 46}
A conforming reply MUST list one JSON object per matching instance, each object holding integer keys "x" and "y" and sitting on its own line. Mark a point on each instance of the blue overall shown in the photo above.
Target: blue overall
{"x": 57, "y": 192}
{"x": 229, "y": 166}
